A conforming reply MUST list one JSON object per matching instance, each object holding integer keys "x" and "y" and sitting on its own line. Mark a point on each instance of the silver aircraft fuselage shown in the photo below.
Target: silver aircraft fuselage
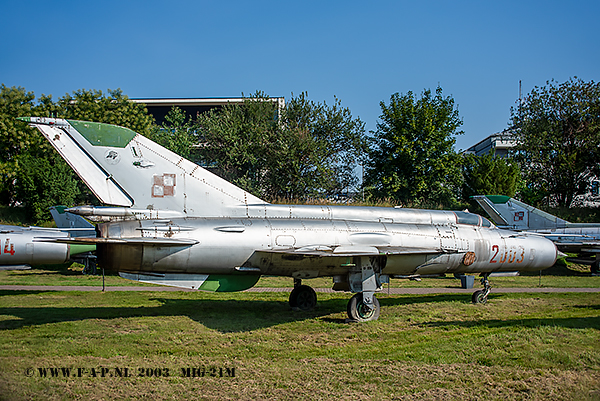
{"x": 20, "y": 248}
{"x": 432, "y": 242}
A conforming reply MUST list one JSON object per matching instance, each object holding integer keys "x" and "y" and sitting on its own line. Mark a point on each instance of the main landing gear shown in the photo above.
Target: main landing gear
{"x": 362, "y": 307}
{"x": 480, "y": 296}
{"x": 364, "y": 278}
{"x": 303, "y": 297}
{"x": 360, "y": 311}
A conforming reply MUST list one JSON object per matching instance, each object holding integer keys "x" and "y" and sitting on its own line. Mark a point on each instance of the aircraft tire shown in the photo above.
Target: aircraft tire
{"x": 303, "y": 298}
{"x": 478, "y": 297}
{"x": 358, "y": 311}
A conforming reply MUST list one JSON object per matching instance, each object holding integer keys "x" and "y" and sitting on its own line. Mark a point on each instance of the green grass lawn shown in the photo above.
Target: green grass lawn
{"x": 518, "y": 346}
{"x": 165, "y": 345}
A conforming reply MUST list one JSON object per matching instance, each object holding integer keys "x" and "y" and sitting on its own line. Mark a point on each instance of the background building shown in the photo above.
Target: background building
{"x": 500, "y": 143}
{"x": 159, "y": 108}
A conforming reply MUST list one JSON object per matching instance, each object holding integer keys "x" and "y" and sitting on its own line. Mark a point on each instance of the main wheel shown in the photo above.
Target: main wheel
{"x": 303, "y": 298}
{"x": 479, "y": 297}
{"x": 360, "y": 312}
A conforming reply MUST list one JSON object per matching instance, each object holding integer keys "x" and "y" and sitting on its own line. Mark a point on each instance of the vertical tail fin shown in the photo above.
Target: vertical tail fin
{"x": 75, "y": 225}
{"x": 124, "y": 168}
{"x": 509, "y": 212}
{"x": 65, "y": 219}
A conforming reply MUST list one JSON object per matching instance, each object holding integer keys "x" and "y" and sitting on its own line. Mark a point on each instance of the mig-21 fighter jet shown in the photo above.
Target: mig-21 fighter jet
{"x": 172, "y": 222}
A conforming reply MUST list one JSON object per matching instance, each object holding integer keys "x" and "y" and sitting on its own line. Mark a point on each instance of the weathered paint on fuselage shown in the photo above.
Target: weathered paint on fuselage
{"x": 432, "y": 242}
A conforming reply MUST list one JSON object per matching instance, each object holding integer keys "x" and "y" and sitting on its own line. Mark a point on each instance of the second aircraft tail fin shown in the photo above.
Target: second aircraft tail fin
{"x": 511, "y": 213}
{"x": 64, "y": 219}
{"x": 75, "y": 225}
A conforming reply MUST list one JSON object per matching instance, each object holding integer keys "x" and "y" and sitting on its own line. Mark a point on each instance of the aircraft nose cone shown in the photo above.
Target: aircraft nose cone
{"x": 546, "y": 252}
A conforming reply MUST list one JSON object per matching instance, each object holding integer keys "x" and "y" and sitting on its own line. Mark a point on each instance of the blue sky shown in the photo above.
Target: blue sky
{"x": 360, "y": 52}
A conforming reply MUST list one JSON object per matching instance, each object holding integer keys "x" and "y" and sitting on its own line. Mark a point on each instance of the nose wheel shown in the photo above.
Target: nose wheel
{"x": 480, "y": 296}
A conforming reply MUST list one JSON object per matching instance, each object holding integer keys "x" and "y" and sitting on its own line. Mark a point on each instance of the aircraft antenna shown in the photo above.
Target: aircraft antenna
{"x": 520, "y": 100}
{"x": 520, "y": 93}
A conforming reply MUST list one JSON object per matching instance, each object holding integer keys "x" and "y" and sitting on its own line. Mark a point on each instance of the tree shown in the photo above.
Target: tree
{"x": 412, "y": 158}
{"x": 557, "y": 128}
{"x": 93, "y": 105}
{"x": 15, "y": 136}
{"x": 31, "y": 173}
{"x": 305, "y": 150}
{"x": 242, "y": 143}
{"x": 489, "y": 175}
{"x": 177, "y": 133}
{"x": 42, "y": 181}
{"x": 326, "y": 146}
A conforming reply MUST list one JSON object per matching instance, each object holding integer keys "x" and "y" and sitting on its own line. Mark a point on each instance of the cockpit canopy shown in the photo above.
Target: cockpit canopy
{"x": 472, "y": 219}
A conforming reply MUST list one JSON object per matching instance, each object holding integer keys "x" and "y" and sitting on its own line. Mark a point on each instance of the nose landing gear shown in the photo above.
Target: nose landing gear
{"x": 480, "y": 296}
